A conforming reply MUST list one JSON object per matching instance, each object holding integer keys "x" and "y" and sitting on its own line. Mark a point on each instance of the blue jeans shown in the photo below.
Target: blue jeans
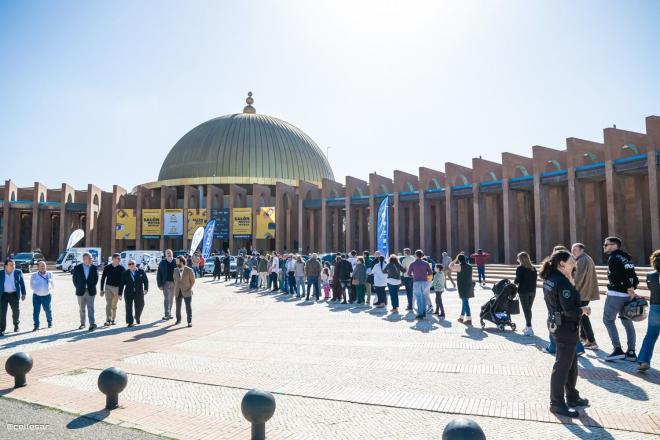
{"x": 408, "y": 285}
{"x": 300, "y": 285}
{"x": 651, "y": 337}
{"x": 465, "y": 307}
{"x": 419, "y": 289}
{"x": 313, "y": 281}
{"x": 44, "y": 301}
{"x": 394, "y": 294}
{"x": 481, "y": 273}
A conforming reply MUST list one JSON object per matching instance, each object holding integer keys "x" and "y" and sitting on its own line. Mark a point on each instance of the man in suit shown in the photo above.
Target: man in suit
{"x": 12, "y": 287}
{"x": 85, "y": 277}
{"x": 134, "y": 284}
{"x": 184, "y": 280}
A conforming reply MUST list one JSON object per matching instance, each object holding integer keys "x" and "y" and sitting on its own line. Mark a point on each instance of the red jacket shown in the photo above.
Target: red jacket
{"x": 480, "y": 259}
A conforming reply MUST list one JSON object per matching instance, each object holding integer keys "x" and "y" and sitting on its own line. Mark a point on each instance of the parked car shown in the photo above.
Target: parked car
{"x": 27, "y": 261}
{"x": 208, "y": 266}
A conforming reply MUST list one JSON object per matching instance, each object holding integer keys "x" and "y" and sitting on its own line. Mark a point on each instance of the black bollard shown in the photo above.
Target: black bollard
{"x": 258, "y": 407}
{"x": 463, "y": 429}
{"x": 112, "y": 381}
{"x": 18, "y": 365}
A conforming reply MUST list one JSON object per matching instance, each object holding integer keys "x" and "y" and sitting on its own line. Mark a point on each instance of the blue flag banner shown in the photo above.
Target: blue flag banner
{"x": 207, "y": 241}
{"x": 383, "y": 234}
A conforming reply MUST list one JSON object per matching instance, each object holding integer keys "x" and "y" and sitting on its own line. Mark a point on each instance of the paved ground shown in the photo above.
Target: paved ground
{"x": 336, "y": 371}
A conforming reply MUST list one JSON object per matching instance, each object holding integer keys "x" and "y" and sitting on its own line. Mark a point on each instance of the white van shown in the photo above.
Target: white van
{"x": 146, "y": 260}
{"x": 68, "y": 259}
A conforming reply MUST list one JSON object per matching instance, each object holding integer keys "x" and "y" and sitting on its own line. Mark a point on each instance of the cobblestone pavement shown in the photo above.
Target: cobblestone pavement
{"x": 337, "y": 371}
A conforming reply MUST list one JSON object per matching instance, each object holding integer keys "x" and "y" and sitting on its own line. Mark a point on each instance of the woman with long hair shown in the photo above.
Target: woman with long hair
{"x": 394, "y": 269}
{"x": 465, "y": 286}
{"x": 653, "y": 283}
{"x": 526, "y": 282}
{"x": 380, "y": 281}
{"x": 564, "y": 312}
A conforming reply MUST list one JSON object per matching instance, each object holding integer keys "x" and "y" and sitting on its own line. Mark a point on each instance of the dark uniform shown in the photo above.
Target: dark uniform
{"x": 563, "y": 302}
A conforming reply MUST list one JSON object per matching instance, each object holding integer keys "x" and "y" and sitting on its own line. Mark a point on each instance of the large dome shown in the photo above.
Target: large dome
{"x": 245, "y": 148}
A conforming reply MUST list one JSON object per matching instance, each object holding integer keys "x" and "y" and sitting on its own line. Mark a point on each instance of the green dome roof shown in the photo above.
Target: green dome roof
{"x": 245, "y": 148}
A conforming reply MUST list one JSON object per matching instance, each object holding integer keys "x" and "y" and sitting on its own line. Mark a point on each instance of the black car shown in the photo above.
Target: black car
{"x": 27, "y": 261}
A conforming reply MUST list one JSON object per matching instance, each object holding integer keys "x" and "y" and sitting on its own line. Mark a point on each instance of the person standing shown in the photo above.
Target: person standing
{"x": 586, "y": 282}
{"x": 240, "y": 267}
{"x": 380, "y": 281}
{"x": 41, "y": 283}
{"x": 526, "y": 283}
{"x": 217, "y": 268}
{"x": 394, "y": 269}
{"x": 299, "y": 273}
{"x": 653, "y": 283}
{"x": 480, "y": 258}
{"x": 446, "y": 262}
{"x": 85, "y": 277}
{"x": 564, "y": 311}
{"x": 345, "y": 269}
{"x": 290, "y": 269}
{"x": 195, "y": 264}
{"x": 200, "y": 266}
{"x": 438, "y": 285}
{"x": 313, "y": 272}
{"x": 407, "y": 279}
{"x": 226, "y": 265}
{"x": 465, "y": 286}
{"x": 262, "y": 268}
{"x": 165, "y": 281}
{"x": 13, "y": 288}
{"x": 134, "y": 284}
{"x": 110, "y": 281}
{"x": 359, "y": 280}
{"x": 184, "y": 280}
{"x": 622, "y": 282}
{"x": 274, "y": 271}
{"x": 420, "y": 270}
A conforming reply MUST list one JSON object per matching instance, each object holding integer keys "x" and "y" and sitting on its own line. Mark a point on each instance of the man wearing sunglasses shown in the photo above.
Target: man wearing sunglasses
{"x": 622, "y": 282}
{"x": 134, "y": 284}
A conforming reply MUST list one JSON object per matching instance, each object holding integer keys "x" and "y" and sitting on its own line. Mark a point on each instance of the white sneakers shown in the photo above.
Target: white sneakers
{"x": 528, "y": 331}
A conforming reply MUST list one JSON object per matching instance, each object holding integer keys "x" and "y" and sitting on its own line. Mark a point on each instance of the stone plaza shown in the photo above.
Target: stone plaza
{"x": 336, "y": 371}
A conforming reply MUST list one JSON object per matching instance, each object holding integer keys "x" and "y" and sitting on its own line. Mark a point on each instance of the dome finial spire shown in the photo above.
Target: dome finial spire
{"x": 248, "y": 108}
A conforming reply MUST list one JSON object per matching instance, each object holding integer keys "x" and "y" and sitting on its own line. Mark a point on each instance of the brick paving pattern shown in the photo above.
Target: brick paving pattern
{"x": 336, "y": 371}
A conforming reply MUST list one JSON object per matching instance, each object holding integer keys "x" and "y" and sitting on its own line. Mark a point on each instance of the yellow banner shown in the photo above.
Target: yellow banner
{"x": 125, "y": 228}
{"x": 196, "y": 218}
{"x": 151, "y": 223}
{"x": 241, "y": 221}
{"x": 265, "y": 219}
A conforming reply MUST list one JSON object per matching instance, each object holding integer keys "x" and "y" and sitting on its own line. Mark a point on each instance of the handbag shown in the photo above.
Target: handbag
{"x": 514, "y": 307}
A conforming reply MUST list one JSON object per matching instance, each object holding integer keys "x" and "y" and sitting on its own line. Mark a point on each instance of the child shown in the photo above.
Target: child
{"x": 325, "y": 282}
{"x": 438, "y": 285}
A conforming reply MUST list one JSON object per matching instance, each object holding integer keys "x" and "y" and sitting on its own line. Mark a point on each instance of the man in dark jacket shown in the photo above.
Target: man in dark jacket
{"x": 165, "y": 281}
{"x": 12, "y": 287}
{"x": 622, "y": 282}
{"x": 226, "y": 261}
{"x": 134, "y": 284}
{"x": 110, "y": 280}
{"x": 345, "y": 269}
{"x": 85, "y": 277}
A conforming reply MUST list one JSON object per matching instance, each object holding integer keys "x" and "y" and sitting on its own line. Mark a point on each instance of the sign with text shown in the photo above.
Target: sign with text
{"x": 196, "y": 219}
{"x": 151, "y": 223}
{"x": 221, "y": 217}
{"x": 241, "y": 223}
{"x": 173, "y": 222}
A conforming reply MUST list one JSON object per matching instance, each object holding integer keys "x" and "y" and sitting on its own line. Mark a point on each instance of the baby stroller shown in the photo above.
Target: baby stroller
{"x": 500, "y": 307}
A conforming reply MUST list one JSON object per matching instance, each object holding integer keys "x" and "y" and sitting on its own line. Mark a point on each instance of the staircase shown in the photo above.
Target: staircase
{"x": 496, "y": 272}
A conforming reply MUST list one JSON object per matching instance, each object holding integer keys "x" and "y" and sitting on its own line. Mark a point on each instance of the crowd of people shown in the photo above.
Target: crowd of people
{"x": 569, "y": 277}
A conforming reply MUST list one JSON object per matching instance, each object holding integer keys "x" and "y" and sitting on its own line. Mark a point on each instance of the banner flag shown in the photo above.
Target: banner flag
{"x": 382, "y": 235}
{"x": 75, "y": 237}
{"x": 207, "y": 241}
{"x": 197, "y": 239}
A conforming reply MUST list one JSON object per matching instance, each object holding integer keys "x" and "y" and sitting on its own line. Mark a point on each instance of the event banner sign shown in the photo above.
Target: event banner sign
{"x": 196, "y": 219}
{"x": 241, "y": 223}
{"x": 151, "y": 223}
{"x": 126, "y": 222}
{"x": 173, "y": 222}
{"x": 382, "y": 231}
{"x": 265, "y": 219}
{"x": 221, "y": 217}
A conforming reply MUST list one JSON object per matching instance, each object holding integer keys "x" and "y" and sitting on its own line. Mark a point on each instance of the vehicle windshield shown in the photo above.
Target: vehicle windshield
{"x": 61, "y": 258}
{"x": 23, "y": 256}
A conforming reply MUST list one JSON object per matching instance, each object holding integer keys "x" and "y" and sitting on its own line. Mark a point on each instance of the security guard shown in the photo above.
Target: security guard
{"x": 564, "y": 311}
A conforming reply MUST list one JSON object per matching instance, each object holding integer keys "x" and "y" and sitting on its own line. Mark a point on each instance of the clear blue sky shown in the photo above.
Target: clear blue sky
{"x": 98, "y": 92}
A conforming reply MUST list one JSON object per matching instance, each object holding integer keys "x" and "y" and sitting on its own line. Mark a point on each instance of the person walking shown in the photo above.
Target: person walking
{"x": 394, "y": 269}
{"x": 359, "y": 280}
{"x": 480, "y": 258}
{"x": 165, "y": 282}
{"x": 134, "y": 284}
{"x": 184, "y": 280}
{"x": 564, "y": 311}
{"x": 110, "y": 280}
{"x": 12, "y": 288}
{"x": 446, "y": 262}
{"x": 586, "y": 282}
{"x": 420, "y": 270}
{"x": 526, "y": 283}
{"x": 313, "y": 272}
{"x": 622, "y": 282}
{"x": 653, "y": 283}
{"x": 85, "y": 277}
{"x": 41, "y": 283}
{"x": 438, "y": 286}
{"x": 465, "y": 286}
{"x": 407, "y": 280}
{"x": 380, "y": 281}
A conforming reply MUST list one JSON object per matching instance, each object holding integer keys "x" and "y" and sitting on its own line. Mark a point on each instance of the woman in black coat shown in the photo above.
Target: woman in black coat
{"x": 217, "y": 270}
{"x": 465, "y": 286}
{"x": 526, "y": 282}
